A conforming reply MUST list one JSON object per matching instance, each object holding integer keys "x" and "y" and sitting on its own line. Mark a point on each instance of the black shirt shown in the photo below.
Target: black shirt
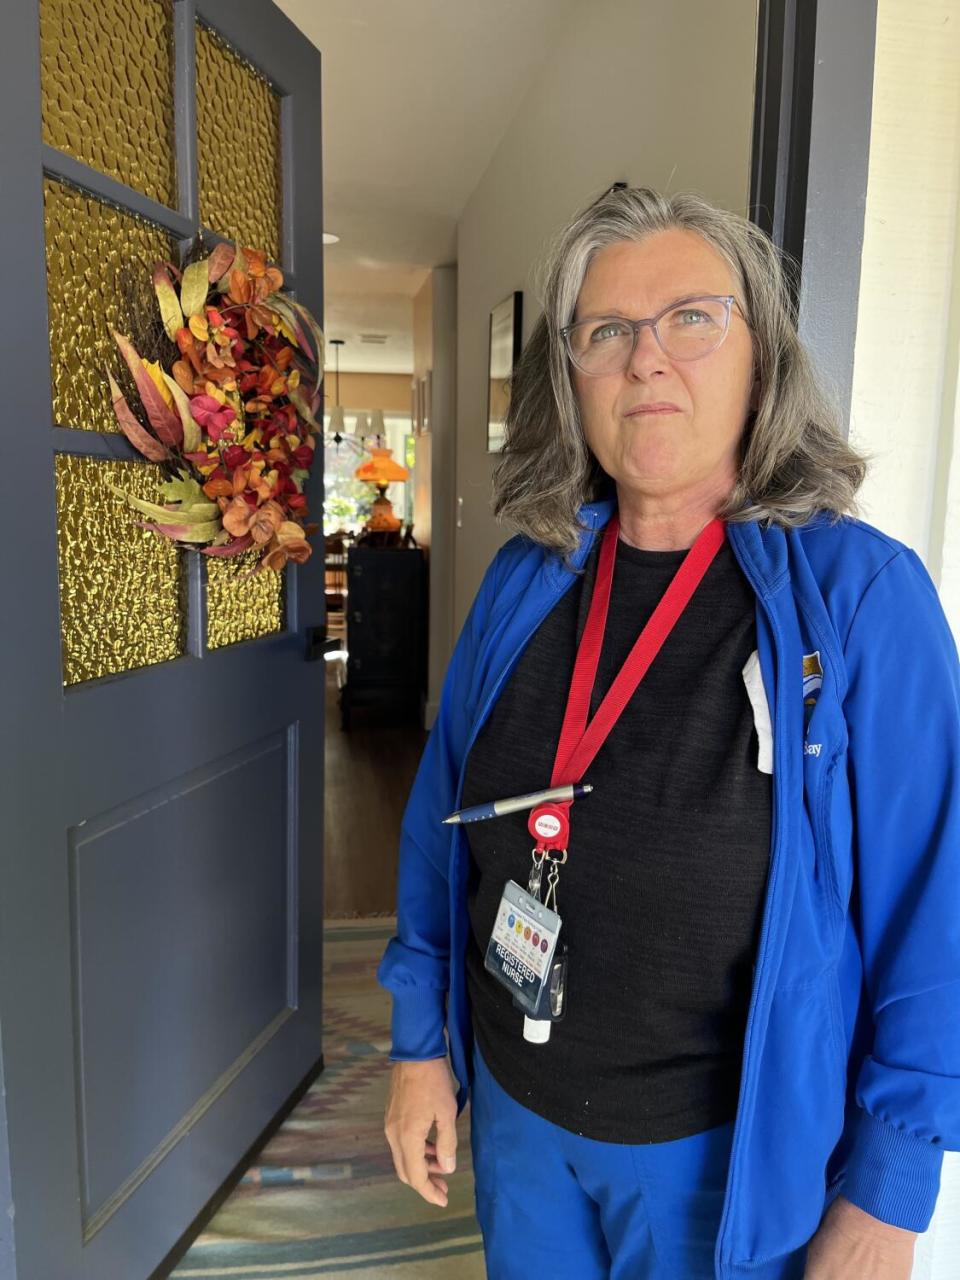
{"x": 662, "y": 893}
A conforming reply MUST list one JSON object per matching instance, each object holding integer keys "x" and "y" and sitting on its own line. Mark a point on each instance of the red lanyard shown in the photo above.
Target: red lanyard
{"x": 580, "y": 741}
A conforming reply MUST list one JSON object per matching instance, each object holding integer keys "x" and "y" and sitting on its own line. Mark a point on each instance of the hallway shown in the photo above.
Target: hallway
{"x": 368, "y": 775}
{"x": 322, "y": 1198}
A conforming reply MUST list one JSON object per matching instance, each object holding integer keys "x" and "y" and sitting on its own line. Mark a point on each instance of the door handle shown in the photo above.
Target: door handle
{"x": 316, "y": 643}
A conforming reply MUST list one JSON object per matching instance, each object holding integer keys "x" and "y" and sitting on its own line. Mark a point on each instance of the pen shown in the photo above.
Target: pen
{"x": 495, "y": 808}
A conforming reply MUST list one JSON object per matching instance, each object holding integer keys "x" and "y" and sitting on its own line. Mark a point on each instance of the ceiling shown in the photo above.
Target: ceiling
{"x": 416, "y": 96}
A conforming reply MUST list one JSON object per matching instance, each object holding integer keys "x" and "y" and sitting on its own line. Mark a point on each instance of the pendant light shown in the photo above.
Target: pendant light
{"x": 337, "y": 425}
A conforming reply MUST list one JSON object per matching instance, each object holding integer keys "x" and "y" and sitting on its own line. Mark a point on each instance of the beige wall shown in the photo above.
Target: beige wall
{"x": 657, "y": 93}
{"x": 435, "y": 351}
{"x": 387, "y": 391}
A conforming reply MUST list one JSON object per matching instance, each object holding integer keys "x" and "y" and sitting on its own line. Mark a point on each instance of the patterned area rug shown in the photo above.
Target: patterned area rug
{"x": 324, "y": 1199}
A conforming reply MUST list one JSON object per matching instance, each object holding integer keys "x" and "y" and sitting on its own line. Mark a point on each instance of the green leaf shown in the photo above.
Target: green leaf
{"x": 170, "y": 311}
{"x": 185, "y": 490}
{"x": 193, "y": 291}
{"x": 195, "y": 515}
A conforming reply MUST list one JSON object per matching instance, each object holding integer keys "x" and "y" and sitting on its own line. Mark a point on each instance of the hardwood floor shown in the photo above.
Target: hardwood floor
{"x": 369, "y": 772}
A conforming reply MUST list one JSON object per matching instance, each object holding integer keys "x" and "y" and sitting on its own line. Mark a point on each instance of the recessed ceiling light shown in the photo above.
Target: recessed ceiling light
{"x": 330, "y": 238}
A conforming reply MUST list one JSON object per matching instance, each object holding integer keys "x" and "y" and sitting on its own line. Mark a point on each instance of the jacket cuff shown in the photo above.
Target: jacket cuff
{"x": 893, "y": 1175}
{"x": 416, "y": 1025}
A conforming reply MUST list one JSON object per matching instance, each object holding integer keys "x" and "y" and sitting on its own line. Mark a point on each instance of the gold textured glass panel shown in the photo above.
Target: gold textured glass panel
{"x": 241, "y": 607}
{"x": 238, "y": 147}
{"x": 106, "y": 76}
{"x": 119, "y": 584}
{"x": 91, "y": 249}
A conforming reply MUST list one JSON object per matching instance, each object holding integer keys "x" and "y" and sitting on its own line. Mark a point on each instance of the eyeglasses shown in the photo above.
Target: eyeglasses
{"x": 684, "y": 331}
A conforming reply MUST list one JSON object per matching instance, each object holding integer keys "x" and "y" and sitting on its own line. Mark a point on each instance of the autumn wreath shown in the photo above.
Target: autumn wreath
{"x": 231, "y": 420}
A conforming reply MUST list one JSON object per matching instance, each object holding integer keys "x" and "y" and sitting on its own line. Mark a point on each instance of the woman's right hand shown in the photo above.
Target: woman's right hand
{"x": 421, "y": 1095}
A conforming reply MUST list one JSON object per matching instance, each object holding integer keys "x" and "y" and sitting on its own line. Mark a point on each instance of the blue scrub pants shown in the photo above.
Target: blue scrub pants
{"x": 551, "y": 1203}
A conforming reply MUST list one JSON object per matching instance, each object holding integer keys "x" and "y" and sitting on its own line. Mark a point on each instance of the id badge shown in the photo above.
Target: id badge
{"x": 521, "y": 946}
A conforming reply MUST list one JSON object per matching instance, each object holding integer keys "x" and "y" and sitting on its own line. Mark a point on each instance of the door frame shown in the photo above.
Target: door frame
{"x": 813, "y": 108}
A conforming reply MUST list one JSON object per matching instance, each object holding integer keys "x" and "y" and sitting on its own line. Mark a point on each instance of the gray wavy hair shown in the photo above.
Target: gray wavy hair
{"x": 794, "y": 459}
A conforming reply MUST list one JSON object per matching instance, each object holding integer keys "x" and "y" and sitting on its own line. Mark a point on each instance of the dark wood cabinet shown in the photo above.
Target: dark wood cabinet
{"x": 386, "y": 633}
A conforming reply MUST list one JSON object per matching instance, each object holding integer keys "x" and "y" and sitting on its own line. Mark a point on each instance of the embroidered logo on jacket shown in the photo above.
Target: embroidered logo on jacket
{"x": 812, "y": 677}
{"x": 812, "y": 684}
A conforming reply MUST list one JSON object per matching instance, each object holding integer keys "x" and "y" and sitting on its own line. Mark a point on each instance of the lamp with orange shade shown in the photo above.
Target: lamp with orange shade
{"x": 380, "y": 469}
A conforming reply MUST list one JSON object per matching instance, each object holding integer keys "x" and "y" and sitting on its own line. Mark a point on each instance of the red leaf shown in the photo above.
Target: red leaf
{"x": 165, "y": 422}
{"x": 231, "y": 548}
{"x": 139, "y": 437}
{"x": 168, "y": 530}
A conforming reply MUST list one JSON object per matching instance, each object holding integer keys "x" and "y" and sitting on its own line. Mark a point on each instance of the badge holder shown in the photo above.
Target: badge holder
{"x": 523, "y": 952}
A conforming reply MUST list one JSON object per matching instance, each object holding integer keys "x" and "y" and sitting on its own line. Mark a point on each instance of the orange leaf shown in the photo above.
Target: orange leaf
{"x": 199, "y": 328}
{"x": 183, "y": 376}
{"x": 256, "y": 261}
{"x": 240, "y": 287}
{"x": 220, "y": 261}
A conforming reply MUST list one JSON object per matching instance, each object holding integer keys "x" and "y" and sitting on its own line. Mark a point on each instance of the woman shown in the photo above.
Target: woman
{"x": 739, "y": 1054}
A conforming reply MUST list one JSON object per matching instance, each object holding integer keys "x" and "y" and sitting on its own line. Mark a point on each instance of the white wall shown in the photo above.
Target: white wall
{"x": 904, "y": 382}
{"x": 657, "y": 93}
{"x": 905, "y": 396}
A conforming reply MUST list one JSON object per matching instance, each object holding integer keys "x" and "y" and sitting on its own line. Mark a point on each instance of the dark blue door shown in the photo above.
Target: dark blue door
{"x": 161, "y": 895}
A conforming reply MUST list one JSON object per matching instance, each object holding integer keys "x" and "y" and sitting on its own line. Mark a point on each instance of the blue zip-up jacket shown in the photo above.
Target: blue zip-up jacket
{"x": 851, "y": 1067}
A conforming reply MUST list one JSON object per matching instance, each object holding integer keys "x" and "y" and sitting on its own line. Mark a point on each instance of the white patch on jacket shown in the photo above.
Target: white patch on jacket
{"x": 753, "y": 679}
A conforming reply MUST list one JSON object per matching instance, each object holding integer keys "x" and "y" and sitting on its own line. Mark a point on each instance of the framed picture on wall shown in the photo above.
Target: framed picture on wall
{"x": 426, "y": 397}
{"x": 502, "y": 352}
{"x": 415, "y": 405}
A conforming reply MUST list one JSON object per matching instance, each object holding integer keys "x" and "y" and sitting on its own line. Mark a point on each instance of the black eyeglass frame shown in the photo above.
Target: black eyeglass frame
{"x": 636, "y": 325}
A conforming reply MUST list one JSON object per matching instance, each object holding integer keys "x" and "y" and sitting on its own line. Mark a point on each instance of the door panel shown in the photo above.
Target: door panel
{"x": 200, "y": 985}
{"x": 161, "y": 906}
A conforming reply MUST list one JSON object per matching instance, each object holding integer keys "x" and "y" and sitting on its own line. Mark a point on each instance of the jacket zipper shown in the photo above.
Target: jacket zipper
{"x": 759, "y": 971}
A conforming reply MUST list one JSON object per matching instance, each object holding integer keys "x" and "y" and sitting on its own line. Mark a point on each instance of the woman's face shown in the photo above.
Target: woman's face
{"x": 662, "y": 454}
